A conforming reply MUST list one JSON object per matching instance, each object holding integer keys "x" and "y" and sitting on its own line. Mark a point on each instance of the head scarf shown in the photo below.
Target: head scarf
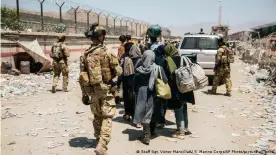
{"x": 148, "y": 67}
{"x": 147, "y": 61}
{"x": 171, "y": 51}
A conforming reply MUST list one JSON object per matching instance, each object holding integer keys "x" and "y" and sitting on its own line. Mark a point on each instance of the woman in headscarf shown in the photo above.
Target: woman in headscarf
{"x": 128, "y": 61}
{"x": 178, "y": 102}
{"x": 144, "y": 82}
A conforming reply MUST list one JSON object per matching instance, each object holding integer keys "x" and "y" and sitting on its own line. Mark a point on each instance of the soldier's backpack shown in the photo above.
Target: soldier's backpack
{"x": 229, "y": 55}
{"x": 58, "y": 52}
{"x": 97, "y": 66}
{"x": 92, "y": 64}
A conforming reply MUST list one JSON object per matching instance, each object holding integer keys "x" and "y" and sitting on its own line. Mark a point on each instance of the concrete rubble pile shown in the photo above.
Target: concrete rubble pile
{"x": 265, "y": 109}
{"x": 26, "y": 85}
{"x": 257, "y": 54}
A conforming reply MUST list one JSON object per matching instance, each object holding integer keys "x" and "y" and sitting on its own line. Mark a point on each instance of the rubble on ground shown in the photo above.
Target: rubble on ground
{"x": 266, "y": 106}
{"x": 253, "y": 54}
{"x": 26, "y": 85}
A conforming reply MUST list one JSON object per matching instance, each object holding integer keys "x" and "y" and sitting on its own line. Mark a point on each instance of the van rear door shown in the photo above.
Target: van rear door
{"x": 208, "y": 49}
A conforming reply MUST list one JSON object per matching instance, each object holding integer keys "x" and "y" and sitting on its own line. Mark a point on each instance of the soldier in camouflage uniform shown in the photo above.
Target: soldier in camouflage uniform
{"x": 100, "y": 97}
{"x": 222, "y": 69}
{"x": 60, "y": 64}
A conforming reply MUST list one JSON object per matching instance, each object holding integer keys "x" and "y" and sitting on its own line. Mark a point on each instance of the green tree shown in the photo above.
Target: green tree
{"x": 60, "y": 28}
{"x": 9, "y": 19}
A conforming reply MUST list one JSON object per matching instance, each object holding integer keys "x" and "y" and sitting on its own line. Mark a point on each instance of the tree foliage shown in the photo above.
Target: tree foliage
{"x": 9, "y": 19}
{"x": 60, "y": 28}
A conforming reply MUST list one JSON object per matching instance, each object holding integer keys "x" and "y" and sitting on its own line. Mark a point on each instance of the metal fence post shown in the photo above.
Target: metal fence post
{"x": 121, "y": 26}
{"x": 98, "y": 15}
{"x": 88, "y": 12}
{"x": 60, "y": 13}
{"x": 136, "y": 29}
{"x": 141, "y": 23}
{"x": 114, "y": 20}
{"x": 41, "y": 14}
{"x": 75, "y": 12}
{"x": 106, "y": 18}
{"x": 126, "y": 26}
{"x": 17, "y": 11}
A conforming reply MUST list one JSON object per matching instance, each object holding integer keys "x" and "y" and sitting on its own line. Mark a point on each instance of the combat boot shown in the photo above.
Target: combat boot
{"x": 53, "y": 89}
{"x": 212, "y": 91}
{"x": 100, "y": 150}
{"x": 65, "y": 90}
{"x": 228, "y": 94}
{"x": 146, "y": 137}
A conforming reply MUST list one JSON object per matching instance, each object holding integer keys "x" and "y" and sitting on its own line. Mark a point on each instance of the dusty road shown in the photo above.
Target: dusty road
{"x": 59, "y": 124}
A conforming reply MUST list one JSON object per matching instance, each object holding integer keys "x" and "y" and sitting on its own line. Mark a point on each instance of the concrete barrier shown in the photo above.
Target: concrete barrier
{"x": 76, "y": 43}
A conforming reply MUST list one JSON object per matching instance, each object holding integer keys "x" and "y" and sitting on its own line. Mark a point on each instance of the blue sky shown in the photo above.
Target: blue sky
{"x": 178, "y": 15}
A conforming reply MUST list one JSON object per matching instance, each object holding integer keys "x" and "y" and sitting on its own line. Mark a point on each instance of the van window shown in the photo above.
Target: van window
{"x": 189, "y": 43}
{"x": 208, "y": 43}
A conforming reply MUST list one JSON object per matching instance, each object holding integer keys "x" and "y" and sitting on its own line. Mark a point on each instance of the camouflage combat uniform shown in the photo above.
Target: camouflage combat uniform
{"x": 102, "y": 101}
{"x": 222, "y": 72}
{"x": 61, "y": 66}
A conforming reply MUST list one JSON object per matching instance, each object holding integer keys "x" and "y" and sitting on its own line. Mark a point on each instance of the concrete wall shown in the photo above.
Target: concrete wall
{"x": 76, "y": 43}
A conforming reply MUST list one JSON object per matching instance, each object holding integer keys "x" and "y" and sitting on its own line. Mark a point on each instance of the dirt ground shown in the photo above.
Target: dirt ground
{"x": 59, "y": 124}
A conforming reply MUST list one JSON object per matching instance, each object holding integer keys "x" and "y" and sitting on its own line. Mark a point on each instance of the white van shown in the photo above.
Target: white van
{"x": 201, "y": 49}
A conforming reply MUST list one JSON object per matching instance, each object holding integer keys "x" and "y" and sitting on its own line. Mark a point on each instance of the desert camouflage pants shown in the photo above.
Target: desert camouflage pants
{"x": 59, "y": 68}
{"x": 222, "y": 76}
{"x": 103, "y": 108}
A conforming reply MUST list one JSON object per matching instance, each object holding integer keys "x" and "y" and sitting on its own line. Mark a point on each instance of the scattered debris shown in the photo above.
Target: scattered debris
{"x": 194, "y": 136}
{"x": 12, "y": 143}
{"x": 52, "y": 145}
{"x": 66, "y": 135}
{"x": 82, "y": 132}
{"x": 26, "y": 85}
{"x": 171, "y": 139}
{"x": 21, "y": 134}
{"x": 41, "y": 128}
{"x": 79, "y": 112}
{"x": 34, "y": 134}
{"x": 8, "y": 114}
{"x": 220, "y": 116}
{"x": 50, "y": 137}
{"x": 235, "y": 135}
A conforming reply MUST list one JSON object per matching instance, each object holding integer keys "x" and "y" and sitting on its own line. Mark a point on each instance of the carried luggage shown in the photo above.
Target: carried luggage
{"x": 163, "y": 90}
{"x": 184, "y": 77}
{"x": 200, "y": 79}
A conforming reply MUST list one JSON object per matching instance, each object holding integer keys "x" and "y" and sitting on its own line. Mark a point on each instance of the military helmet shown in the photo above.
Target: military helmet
{"x": 96, "y": 30}
{"x": 61, "y": 37}
{"x": 220, "y": 40}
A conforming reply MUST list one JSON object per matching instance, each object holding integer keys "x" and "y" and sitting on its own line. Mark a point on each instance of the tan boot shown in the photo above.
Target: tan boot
{"x": 65, "y": 90}
{"x": 100, "y": 150}
{"x": 212, "y": 91}
{"x": 228, "y": 94}
{"x": 53, "y": 89}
